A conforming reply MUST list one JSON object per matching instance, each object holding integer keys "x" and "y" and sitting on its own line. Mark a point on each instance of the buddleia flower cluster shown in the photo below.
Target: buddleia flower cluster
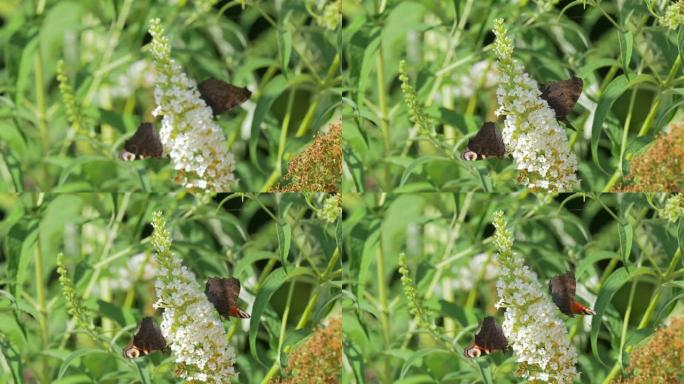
{"x": 416, "y": 113}
{"x": 417, "y": 308}
{"x": 534, "y": 331}
{"x": 674, "y": 15}
{"x": 74, "y": 304}
{"x": 674, "y": 208}
{"x": 69, "y": 98}
{"x": 331, "y": 209}
{"x": 188, "y": 134}
{"x": 531, "y": 133}
{"x": 190, "y": 324}
{"x": 318, "y": 359}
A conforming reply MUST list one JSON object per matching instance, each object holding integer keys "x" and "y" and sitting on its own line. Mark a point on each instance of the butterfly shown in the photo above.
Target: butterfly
{"x": 489, "y": 338}
{"x": 221, "y": 96}
{"x": 223, "y": 293}
{"x": 562, "y": 95}
{"x": 147, "y": 339}
{"x": 562, "y": 289}
{"x": 487, "y": 142}
{"x": 144, "y": 143}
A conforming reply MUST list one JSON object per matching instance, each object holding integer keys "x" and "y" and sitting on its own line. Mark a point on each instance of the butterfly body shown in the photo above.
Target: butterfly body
{"x": 488, "y": 339}
{"x": 144, "y": 143}
{"x": 222, "y": 96}
{"x": 562, "y": 95}
{"x": 223, "y": 293}
{"x": 147, "y": 339}
{"x": 487, "y": 142}
{"x": 562, "y": 289}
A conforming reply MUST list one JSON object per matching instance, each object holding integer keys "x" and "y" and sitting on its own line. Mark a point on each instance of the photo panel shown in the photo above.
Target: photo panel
{"x": 158, "y": 96}
{"x": 168, "y": 288}
{"x": 512, "y": 288}
{"x": 501, "y": 96}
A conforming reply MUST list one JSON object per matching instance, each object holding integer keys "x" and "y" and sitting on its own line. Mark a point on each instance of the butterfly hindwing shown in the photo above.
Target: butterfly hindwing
{"x": 223, "y": 293}
{"x": 144, "y": 143}
{"x": 489, "y": 338}
{"x": 486, "y": 143}
{"x": 222, "y": 96}
{"x": 562, "y": 95}
{"x": 147, "y": 339}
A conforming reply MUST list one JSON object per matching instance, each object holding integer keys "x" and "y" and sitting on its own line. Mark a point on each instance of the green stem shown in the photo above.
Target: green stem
{"x": 382, "y": 99}
{"x": 42, "y": 319}
{"x": 278, "y": 171}
{"x": 40, "y": 100}
{"x": 648, "y": 314}
{"x": 656, "y": 104}
{"x": 304, "y": 319}
{"x": 329, "y": 78}
{"x": 109, "y": 50}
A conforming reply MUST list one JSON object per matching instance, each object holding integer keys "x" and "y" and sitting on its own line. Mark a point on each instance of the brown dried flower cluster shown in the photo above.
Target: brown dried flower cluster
{"x": 319, "y": 167}
{"x": 319, "y": 359}
{"x": 661, "y": 168}
{"x": 661, "y": 359}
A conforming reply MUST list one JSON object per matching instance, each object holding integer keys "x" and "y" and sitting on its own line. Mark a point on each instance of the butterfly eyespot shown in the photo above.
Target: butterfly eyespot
{"x": 132, "y": 353}
{"x": 126, "y": 156}
{"x": 473, "y": 352}
{"x": 469, "y": 156}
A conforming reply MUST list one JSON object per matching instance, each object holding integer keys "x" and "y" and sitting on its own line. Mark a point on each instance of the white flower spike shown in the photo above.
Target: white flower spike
{"x": 534, "y": 331}
{"x": 189, "y": 134}
{"x": 190, "y": 324}
{"x": 531, "y": 133}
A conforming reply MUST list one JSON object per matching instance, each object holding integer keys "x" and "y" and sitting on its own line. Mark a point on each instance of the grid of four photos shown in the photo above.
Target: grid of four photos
{"x": 341, "y": 191}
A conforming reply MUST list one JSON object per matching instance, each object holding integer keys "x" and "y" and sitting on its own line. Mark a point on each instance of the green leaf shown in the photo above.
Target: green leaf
{"x": 285, "y": 48}
{"x": 370, "y": 247}
{"x": 680, "y": 42}
{"x": 13, "y": 360}
{"x": 614, "y": 282}
{"x": 415, "y": 164}
{"x": 270, "y": 285}
{"x": 75, "y": 355}
{"x": 626, "y": 40}
{"x": 284, "y": 239}
{"x": 626, "y": 233}
{"x": 25, "y": 69}
{"x": 269, "y": 94}
{"x": 417, "y": 355}
{"x": 364, "y": 46}
{"x": 614, "y": 90}
{"x": 249, "y": 258}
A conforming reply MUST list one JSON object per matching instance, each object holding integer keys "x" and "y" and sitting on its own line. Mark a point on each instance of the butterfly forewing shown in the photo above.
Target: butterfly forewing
{"x": 143, "y": 144}
{"x": 562, "y": 95}
{"x": 486, "y": 143}
{"x": 222, "y": 96}
{"x": 562, "y": 288}
{"x": 147, "y": 339}
{"x": 223, "y": 293}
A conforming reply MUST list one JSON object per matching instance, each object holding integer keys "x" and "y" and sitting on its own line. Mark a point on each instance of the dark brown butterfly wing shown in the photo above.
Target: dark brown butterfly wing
{"x": 490, "y": 338}
{"x": 562, "y": 289}
{"x": 223, "y": 293}
{"x": 144, "y": 143}
{"x": 562, "y": 95}
{"x": 147, "y": 339}
{"x": 486, "y": 143}
{"x": 221, "y": 96}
